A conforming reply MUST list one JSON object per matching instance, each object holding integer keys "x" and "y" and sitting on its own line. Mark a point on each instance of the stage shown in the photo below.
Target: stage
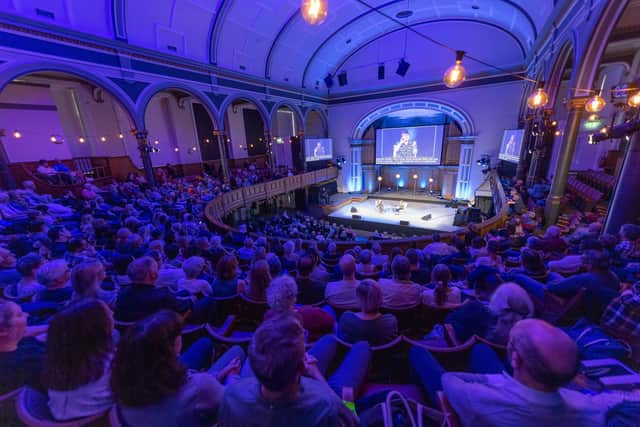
{"x": 441, "y": 216}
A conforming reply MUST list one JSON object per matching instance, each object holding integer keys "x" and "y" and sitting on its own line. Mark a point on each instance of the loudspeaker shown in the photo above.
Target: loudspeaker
{"x": 427, "y": 217}
{"x": 403, "y": 222}
{"x": 381, "y": 72}
{"x": 403, "y": 67}
{"x": 353, "y": 209}
{"x": 328, "y": 80}
{"x": 356, "y": 217}
{"x": 342, "y": 78}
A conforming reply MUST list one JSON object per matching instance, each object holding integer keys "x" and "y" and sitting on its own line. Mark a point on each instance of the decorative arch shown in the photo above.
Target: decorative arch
{"x": 461, "y": 117}
{"x": 264, "y": 114}
{"x": 555, "y": 78}
{"x": 216, "y": 28}
{"x": 153, "y": 90}
{"x": 8, "y": 74}
{"x": 323, "y": 117}
{"x": 296, "y": 111}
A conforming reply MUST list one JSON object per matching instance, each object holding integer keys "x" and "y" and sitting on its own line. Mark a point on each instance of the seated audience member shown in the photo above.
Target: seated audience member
{"x": 77, "y": 365}
{"x": 226, "y": 283}
{"x": 289, "y": 257}
{"x": 28, "y": 285}
{"x": 478, "y": 248}
{"x": 533, "y": 266}
{"x": 572, "y": 263}
{"x": 281, "y": 298}
{"x": 418, "y": 275}
{"x": 47, "y": 172}
{"x": 400, "y": 292}
{"x": 368, "y": 324}
{"x": 21, "y": 355}
{"x": 8, "y": 273}
{"x": 441, "y": 293}
{"x": 170, "y": 271}
{"x": 54, "y": 276}
{"x": 86, "y": 281}
{"x": 343, "y": 292}
{"x": 259, "y": 280}
{"x": 629, "y": 246}
{"x": 59, "y": 237}
{"x": 601, "y": 284}
{"x": 437, "y": 248}
{"x": 141, "y": 298}
{"x": 154, "y": 386}
{"x": 492, "y": 259}
{"x": 193, "y": 267}
{"x": 289, "y": 388}
{"x": 120, "y": 267}
{"x": 544, "y": 359}
{"x": 622, "y": 315}
{"x": 365, "y": 266}
{"x": 310, "y": 290}
{"x": 552, "y": 242}
{"x": 378, "y": 258}
{"x": 508, "y": 305}
{"x": 246, "y": 252}
{"x": 330, "y": 257}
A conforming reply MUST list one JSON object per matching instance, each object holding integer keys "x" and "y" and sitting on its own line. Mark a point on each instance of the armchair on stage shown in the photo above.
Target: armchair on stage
{"x": 394, "y": 208}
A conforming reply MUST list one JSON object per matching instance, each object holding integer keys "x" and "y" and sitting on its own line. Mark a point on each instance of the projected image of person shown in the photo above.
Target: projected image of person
{"x": 319, "y": 150}
{"x": 406, "y": 148}
{"x": 510, "y": 148}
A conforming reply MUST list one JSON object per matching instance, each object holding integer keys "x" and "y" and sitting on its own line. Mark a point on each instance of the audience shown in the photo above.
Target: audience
{"x": 342, "y": 293}
{"x": 54, "y": 276}
{"x": 400, "y": 292}
{"x": 227, "y": 282}
{"x": 193, "y": 267}
{"x": 259, "y": 280}
{"x": 28, "y": 285}
{"x": 439, "y": 292}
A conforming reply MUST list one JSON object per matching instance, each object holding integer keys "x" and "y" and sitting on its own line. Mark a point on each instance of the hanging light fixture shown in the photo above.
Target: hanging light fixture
{"x": 103, "y": 139}
{"x": 81, "y": 140}
{"x": 17, "y": 134}
{"x": 456, "y": 74}
{"x": 539, "y": 98}
{"x": 314, "y": 12}
{"x": 596, "y": 103}
{"x": 634, "y": 100}
{"x": 121, "y": 135}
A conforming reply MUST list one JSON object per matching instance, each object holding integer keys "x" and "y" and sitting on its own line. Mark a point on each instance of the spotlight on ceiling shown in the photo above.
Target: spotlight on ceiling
{"x": 328, "y": 81}
{"x": 342, "y": 78}
{"x": 381, "y": 72}
{"x": 403, "y": 67}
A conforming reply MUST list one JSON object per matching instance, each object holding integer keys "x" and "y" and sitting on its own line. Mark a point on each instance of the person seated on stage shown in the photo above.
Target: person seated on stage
{"x": 544, "y": 360}
{"x": 365, "y": 266}
{"x": 310, "y": 289}
{"x": 402, "y": 205}
{"x": 439, "y": 291}
{"x": 419, "y": 275}
{"x": 288, "y": 387}
{"x": 400, "y": 292}
{"x": 369, "y": 324}
{"x": 343, "y": 292}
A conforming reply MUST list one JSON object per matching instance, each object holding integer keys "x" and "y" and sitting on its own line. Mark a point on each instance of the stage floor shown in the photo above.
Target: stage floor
{"x": 441, "y": 216}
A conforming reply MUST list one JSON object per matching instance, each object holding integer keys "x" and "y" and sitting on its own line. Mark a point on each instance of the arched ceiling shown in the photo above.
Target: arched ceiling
{"x": 268, "y": 38}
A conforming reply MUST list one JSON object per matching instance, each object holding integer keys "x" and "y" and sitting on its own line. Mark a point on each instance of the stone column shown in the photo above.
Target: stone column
{"x": 222, "y": 148}
{"x": 5, "y": 173}
{"x": 552, "y": 209}
{"x": 145, "y": 150}
{"x": 624, "y": 207}
{"x": 271, "y": 159}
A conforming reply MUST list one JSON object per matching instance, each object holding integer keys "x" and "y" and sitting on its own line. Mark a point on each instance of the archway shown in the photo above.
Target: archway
{"x": 315, "y": 124}
{"x": 57, "y": 114}
{"x": 286, "y": 123}
{"x": 181, "y": 127}
{"x": 246, "y": 131}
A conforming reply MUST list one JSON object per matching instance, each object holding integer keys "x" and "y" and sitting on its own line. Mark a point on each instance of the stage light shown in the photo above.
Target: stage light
{"x": 156, "y": 142}
{"x": 103, "y": 139}
{"x": 430, "y": 180}
{"x": 176, "y": 149}
{"x": 381, "y": 72}
{"x": 538, "y": 98}
{"x": 17, "y": 134}
{"x": 328, "y": 81}
{"x": 456, "y": 74}
{"x": 558, "y": 133}
{"x": 121, "y": 135}
{"x": 379, "y": 183}
{"x": 397, "y": 176}
{"x": 81, "y": 140}
{"x": 634, "y": 100}
{"x": 379, "y": 179}
{"x": 595, "y": 104}
{"x": 207, "y": 141}
{"x": 53, "y": 138}
{"x": 415, "y": 176}
{"x": 342, "y": 78}
{"x": 554, "y": 123}
{"x": 314, "y": 12}
{"x": 194, "y": 148}
{"x": 403, "y": 67}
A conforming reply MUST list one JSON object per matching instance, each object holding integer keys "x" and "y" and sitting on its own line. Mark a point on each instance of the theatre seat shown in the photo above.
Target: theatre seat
{"x": 33, "y": 410}
{"x": 410, "y": 391}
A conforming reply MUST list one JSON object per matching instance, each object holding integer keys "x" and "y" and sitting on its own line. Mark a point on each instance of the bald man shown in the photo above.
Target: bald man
{"x": 343, "y": 292}
{"x": 543, "y": 359}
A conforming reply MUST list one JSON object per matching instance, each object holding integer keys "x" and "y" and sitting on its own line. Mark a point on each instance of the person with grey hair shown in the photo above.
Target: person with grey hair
{"x": 54, "y": 276}
{"x": 142, "y": 298}
{"x": 281, "y": 298}
{"x": 193, "y": 267}
{"x": 601, "y": 284}
{"x": 365, "y": 266}
{"x": 368, "y": 324}
{"x": 28, "y": 285}
{"x": 400, "y": 292}
{"x": 86, "y": 281}
{"x": 377, "y": 257}
{"x": 508, "y": 305}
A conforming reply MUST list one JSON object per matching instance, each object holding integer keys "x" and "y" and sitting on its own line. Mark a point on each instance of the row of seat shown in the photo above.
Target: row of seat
{"x": 598, "y": 179}
{"x": 586, "y": 197}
